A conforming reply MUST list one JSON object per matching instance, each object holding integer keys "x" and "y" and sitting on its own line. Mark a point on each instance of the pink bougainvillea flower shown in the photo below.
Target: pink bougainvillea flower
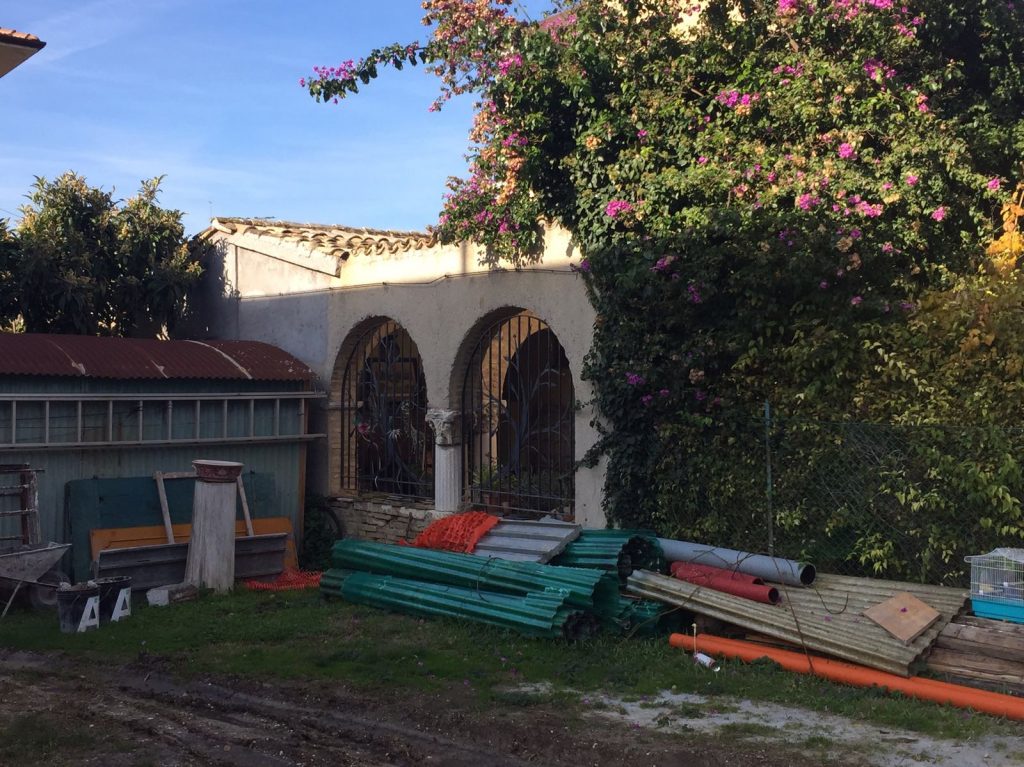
{"x": 702, "y": 160}
{"x": 993, "y": 184}
{"x": 911, "y": 179}
{"x": 615, "y": 207}
{"x": 806, "y": 201}
{"x": 856, "y": 301}
{"x": 635, "y": 379}
{"x": 939, "y": 213}
{"x": 846, "y": 151}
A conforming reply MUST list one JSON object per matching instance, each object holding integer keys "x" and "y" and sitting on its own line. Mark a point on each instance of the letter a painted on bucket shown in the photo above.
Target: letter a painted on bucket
{"x": 123, "y": 606}
{"x": 90, "y": 615}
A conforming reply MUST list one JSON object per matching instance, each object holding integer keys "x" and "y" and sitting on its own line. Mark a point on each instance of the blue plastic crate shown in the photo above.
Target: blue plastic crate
{"x": 998, "y": 609}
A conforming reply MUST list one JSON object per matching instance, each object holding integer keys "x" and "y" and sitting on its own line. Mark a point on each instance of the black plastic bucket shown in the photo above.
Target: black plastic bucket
{"x": 115, "y": 597}
{"x": 78, "y": 608}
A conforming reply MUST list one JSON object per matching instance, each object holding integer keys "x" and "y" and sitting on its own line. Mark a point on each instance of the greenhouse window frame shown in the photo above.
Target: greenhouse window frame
{"x": 165, "y": 404}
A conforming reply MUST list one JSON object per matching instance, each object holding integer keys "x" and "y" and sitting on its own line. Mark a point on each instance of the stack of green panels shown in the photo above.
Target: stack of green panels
{"x": 540, "y": 614}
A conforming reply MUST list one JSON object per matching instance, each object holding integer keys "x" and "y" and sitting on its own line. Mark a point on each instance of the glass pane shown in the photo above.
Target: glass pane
{"x": 30, "y": 422}
{"x": 63, "y": 422}
{"x": 183, "y": 419}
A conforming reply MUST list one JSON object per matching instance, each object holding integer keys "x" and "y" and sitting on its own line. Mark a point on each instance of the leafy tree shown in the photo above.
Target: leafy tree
{"x": 84, "y": 263}
{"x": 773, "y": 197}
{"x": 8, "y": 255}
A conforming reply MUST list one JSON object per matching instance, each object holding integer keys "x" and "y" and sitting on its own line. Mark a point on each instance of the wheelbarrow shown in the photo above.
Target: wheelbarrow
{"x": 27, "y": 564}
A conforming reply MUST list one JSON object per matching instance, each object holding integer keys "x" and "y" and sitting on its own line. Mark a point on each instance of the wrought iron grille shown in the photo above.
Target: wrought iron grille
{"x": 517, "y": 420}
{"x": 386, "y": 445}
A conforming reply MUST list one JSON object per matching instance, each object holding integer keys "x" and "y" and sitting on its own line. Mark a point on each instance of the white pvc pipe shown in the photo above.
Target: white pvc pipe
{"x": 774, "y": 569}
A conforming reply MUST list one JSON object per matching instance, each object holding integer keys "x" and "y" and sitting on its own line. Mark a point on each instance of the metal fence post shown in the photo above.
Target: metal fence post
{"x": 768, "y": 475}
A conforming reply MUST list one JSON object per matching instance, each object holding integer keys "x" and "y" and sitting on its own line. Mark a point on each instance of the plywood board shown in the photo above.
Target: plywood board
{"x": 904, "y": 616}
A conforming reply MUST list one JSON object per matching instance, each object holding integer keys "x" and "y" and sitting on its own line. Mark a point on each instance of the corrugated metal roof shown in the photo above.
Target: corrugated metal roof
{"x": 145, "y": 358}
{"x": 827, "y": 617}
{"x": 527, "y": 541}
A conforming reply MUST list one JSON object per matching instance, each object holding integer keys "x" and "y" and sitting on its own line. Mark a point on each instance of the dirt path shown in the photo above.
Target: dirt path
{"x": 57, "y": 711}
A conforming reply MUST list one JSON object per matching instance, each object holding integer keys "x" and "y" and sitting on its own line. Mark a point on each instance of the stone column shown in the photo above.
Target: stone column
{"x": 211, "y": 550}
{"x": 447, "y": 458}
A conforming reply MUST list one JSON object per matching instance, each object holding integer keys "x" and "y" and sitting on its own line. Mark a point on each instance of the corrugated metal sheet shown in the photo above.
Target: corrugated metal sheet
{"x": 592, "y": 590}
{"x": 527, "y": 541}
{"x": 539, "y": 614}
{"x": 618, "y": 551}
{"x": 825, "y": 618}
{"x": 143, "y": 358}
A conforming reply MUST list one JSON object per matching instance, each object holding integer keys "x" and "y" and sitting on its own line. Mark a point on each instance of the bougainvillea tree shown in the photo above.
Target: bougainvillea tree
{"x": 766, "y": 194}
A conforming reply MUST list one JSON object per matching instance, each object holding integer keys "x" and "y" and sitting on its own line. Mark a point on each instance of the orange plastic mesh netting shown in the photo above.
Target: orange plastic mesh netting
{"x": 459, "y": 532}
{"x": 287, "y": 581}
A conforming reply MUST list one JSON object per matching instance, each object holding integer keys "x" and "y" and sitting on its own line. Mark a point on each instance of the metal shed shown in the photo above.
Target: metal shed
{"x": 81, "y": 407}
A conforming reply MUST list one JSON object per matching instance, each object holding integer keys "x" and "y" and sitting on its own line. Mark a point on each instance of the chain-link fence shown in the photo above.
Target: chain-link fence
{"x": 892, "y": 501}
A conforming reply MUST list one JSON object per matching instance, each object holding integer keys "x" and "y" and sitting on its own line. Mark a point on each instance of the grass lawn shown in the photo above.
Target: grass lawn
{"x": 298, "y": 635}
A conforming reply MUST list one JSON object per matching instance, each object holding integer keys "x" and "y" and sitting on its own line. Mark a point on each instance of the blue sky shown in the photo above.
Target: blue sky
{"x": 206, "y": 92}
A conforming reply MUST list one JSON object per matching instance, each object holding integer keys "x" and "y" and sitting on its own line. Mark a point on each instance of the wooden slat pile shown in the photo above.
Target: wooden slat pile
{"x": 982, "y": 653}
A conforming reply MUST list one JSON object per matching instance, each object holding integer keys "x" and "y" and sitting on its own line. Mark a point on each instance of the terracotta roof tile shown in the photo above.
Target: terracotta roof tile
{"x": 333, "y": 240}
{"x": 14, "y": 37}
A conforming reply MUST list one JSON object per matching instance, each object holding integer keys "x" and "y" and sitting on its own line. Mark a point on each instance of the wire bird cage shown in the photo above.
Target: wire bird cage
{"x": 997, "y": 584}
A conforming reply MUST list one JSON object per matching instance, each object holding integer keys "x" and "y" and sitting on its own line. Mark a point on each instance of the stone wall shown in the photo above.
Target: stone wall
{"x": 382, "y": 520}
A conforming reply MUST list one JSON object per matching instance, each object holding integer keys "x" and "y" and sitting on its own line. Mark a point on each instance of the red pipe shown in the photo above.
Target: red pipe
{"x": 728, "y": 581}
{"x": 957, "y": 695}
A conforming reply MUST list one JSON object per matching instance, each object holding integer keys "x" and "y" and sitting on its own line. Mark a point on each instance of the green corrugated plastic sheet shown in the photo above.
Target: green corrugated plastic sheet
{"x": 645, "y": 617}
{"x": 591, "y": 590}
{"x": 618, "y": 551}
{"x": 540, "y": 614}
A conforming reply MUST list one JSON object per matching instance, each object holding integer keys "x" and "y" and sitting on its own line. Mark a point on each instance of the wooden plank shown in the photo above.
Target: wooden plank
{"x": 165, "y": 511}
{"x": 978, "y": 679}
{"x": 245, "y": 505}
{"x": 991, "y": 624}
{"x": 964, "y": 662}
{"x": 903, "y": 615}
{"x": 979, "y": 650}
{"x": 983, "y": 640}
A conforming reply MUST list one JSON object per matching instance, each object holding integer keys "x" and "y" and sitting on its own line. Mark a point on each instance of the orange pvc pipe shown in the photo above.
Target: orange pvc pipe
{"x": 957, "y": 695}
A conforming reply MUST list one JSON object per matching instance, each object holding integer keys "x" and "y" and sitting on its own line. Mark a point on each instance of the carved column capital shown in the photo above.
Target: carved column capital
{"x": 447, "y": 426}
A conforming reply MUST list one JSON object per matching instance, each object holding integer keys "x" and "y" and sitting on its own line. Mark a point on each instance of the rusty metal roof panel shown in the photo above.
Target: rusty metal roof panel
{"x": 143, "y": 358}
{"x": 263, "y": 361}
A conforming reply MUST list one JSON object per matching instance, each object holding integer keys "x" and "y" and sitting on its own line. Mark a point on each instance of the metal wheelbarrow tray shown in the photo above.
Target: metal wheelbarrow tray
{"x": 27, "y": 564}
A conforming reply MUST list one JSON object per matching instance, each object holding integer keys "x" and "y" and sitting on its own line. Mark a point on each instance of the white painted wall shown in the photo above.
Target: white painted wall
{"x": 439, "y": 295}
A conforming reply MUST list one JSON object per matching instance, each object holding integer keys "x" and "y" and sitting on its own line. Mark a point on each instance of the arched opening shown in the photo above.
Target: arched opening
{"x": 517, "y": 417}
{"x": 386, "y": 445}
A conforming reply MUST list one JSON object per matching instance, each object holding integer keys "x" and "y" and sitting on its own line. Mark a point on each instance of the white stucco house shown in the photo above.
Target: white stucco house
{"x": 450, "y": 385}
